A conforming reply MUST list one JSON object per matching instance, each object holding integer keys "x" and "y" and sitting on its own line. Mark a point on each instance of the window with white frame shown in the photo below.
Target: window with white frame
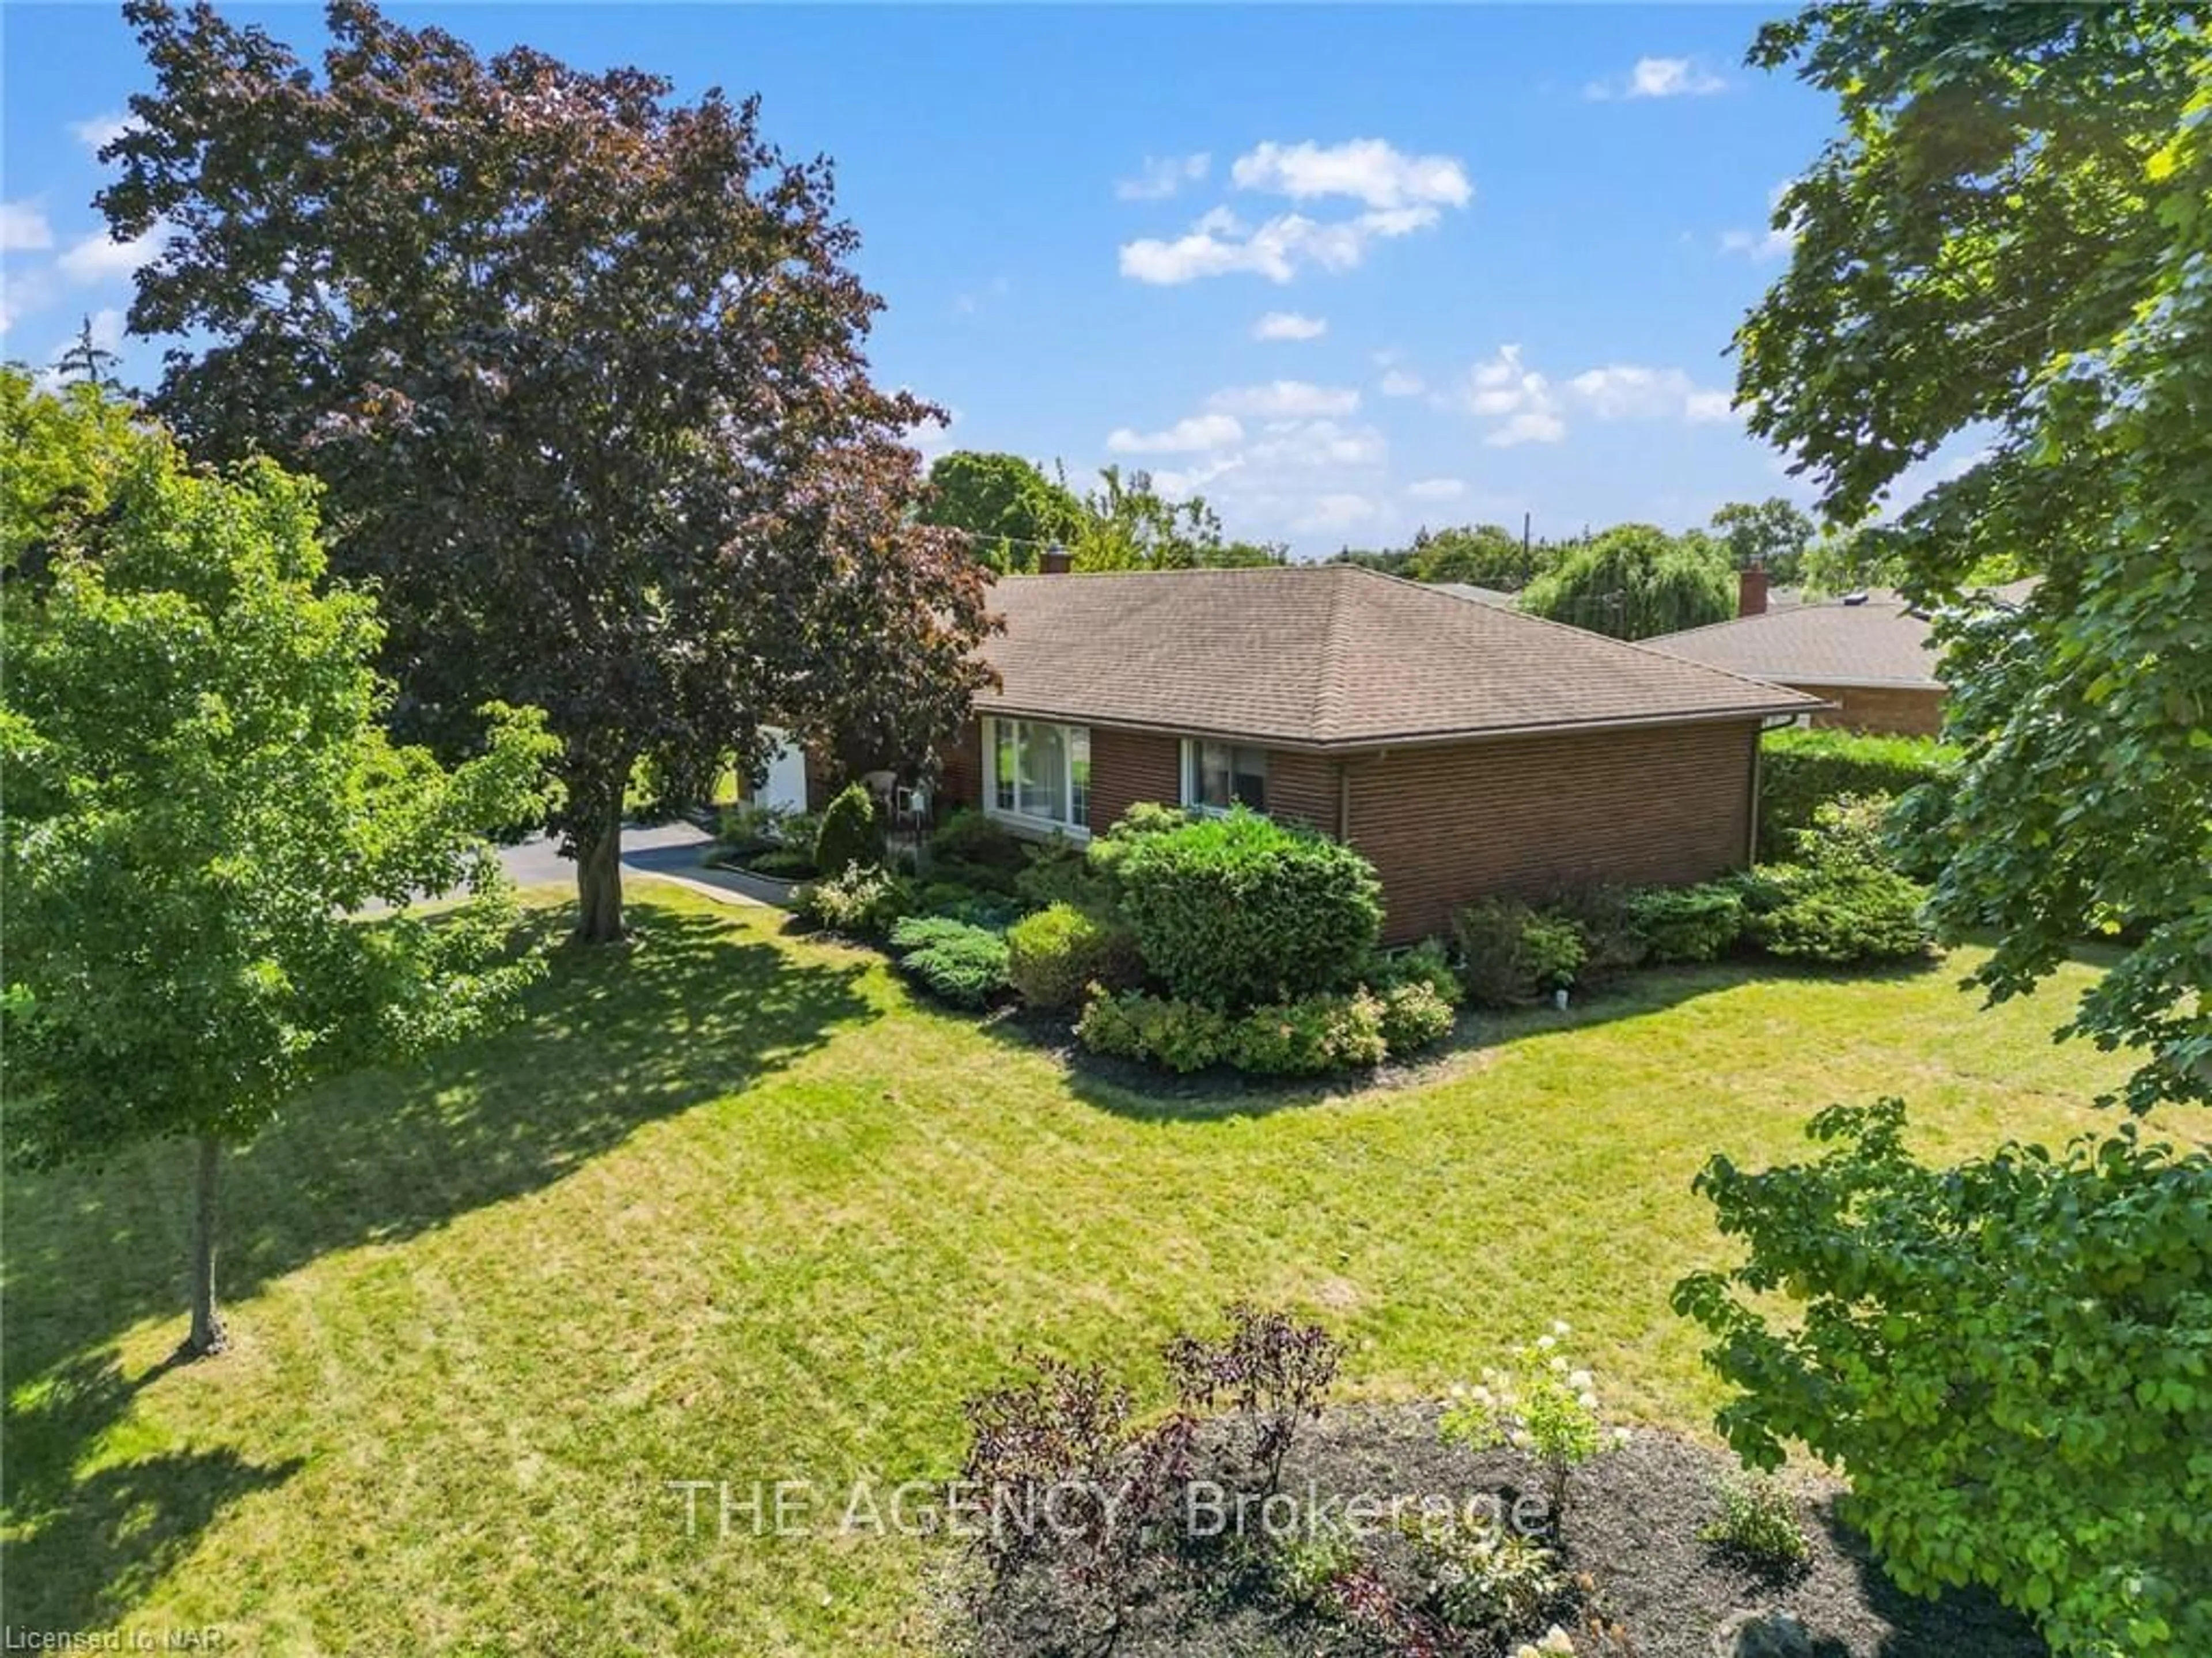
{"x": 1039, "y": 773}
{"x": 1218, "y": 775}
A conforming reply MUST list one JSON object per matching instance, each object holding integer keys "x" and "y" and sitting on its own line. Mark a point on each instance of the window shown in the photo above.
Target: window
{"x": 1040, "y": 773}
{"x": 1218, "y": 775}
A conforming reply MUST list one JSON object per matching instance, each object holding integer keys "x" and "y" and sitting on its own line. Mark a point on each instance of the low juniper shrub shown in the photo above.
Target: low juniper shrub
{"x": 1690, "y": 924}
{"x": 956, "y": 961}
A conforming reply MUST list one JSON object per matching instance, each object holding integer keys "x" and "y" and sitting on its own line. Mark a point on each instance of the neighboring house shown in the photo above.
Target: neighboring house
{"x": 1464, "y": 748}
{"x": 1480, "y": 595}
{"x": 1868, "y": 655}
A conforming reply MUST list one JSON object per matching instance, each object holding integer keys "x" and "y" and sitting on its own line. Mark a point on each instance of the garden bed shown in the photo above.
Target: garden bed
{"x": 1630, "y": 1539}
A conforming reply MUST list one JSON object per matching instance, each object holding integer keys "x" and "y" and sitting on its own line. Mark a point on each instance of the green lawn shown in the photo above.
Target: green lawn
{"x": 736, "y": 1207}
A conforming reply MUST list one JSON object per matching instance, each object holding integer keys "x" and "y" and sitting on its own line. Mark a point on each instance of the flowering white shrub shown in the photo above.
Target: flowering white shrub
{"x": 1536, "y": 1403}
{"x": 1556, "y": 1641}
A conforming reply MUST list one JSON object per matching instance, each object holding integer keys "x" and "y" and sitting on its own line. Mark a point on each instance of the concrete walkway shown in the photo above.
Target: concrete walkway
{"x": 669, "y": 852}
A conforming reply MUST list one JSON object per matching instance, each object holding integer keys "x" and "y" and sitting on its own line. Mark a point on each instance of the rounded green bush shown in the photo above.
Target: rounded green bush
{"x": 1053, "y": 956}
{"x": 1238, "y": 910}
{"x": 849, "y": 834}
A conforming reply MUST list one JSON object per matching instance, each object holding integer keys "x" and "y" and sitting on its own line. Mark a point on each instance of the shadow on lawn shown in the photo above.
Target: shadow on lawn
{"x": 1131, "y": 1090}
{"x": 608, "y": 1040}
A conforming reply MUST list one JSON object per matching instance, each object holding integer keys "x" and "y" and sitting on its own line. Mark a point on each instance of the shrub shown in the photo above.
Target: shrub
{"x": 1509, "y": 954}
{"x": 976, "y": 851}
{"x": 863, "y": 902}
{"x": 1309, "y": 1036}
{"x": 1488, "y": 1579}
{"x": 1236, "y": 910}
{"x": 1842, "y": 902}
{"x": 1758, "y": 1523}
{"x": 1537, "y": 1403}
{"x": 1425, "y": 963}
{"x": 958, "y": 962}
{"x": 1413, "y": 1017}
{"x": 750, "y": 826}
{"x": 1180, "y": 1035}
{"x": 782, "y": 862}
{"x": 1056, "y": 954}
{"x": 1305, "y": 1571}
{"x": 1801, "y": 770}
{"x": 2007, "y": 1358}
{"x": 1689, "y": 924}
{"x": 1273, "y": 1370}
{"x": 849, "y": 834}
{"x": 1058, "y": 872}
{"x": 1612, "y": 942}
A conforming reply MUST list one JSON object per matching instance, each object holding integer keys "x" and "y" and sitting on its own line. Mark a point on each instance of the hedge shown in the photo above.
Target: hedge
{"x": 1801, "y": 770}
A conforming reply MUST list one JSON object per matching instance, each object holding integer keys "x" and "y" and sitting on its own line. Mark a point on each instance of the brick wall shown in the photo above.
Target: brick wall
{"x": 1524, "y": 815}
{"x": 1900, "y": 711}
{"x": 1447, "y": 824}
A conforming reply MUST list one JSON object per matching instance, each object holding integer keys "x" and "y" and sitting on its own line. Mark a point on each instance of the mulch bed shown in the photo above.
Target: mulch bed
{"x": 1631, "y": 1527}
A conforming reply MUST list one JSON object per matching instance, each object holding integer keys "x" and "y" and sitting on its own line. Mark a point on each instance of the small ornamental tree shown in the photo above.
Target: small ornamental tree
{"x": 2011, "y": 1360}
{"x": 201, "y": 802}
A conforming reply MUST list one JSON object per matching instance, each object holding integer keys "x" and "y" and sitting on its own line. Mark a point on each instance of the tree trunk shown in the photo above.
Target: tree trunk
{"x": 599, "y": 877}
{"x": 208, "y": 1335}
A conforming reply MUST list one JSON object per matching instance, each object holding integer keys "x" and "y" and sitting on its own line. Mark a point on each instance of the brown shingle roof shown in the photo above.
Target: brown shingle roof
{"x": 1877, "y": 642}
{"x": 1328, "y": 656}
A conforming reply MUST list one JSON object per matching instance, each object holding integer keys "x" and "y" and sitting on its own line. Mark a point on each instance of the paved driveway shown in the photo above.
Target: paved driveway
{"x": 667, "y": 849}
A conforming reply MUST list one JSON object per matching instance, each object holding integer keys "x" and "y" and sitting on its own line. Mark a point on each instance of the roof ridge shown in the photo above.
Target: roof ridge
{"x": 1329, "y": 692}
{"x": 1642, "y": 646}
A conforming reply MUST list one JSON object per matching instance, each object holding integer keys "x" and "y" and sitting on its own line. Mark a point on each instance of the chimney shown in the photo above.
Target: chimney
{"x": 1055, "y": 561}
{"x": 1751, "y": 589}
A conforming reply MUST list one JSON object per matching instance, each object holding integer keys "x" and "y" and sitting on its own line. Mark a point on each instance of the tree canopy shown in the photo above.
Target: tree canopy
{"x": 200, "y": 800}
{"x": 1772, "y": 533}
{"x": 1635, "y": 580}
{"x": 581, "y": 369}
{"x": 2009, "y": 237}
{"x": 1009, "y": 508}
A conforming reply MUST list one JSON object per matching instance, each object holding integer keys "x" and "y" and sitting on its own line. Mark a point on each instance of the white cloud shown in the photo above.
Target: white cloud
{"x": 1660, "y": 77}
{"x": 1438, "y": 489}
{"x": 1772, "y": 243}
{"x": 1162, "y": 176}
{"x": 1317, "y": 446}
{"x": 1334, "y": 510}
{"x": 1367, "y": 169}
{"x": 100, "y": 131}
{"x": 1400, "y": 383}
{"x": 1193, "y": 435}
{"x": 1631, "y": 391}
{"x": 1505, "y": 390}
{"x": 22, "y": 292}
{"x": 1219, "y": 244}
{"x": 1286, "y": 400}
{"x": 1289, "y": 325}
{"x": 98, "y": 256}
{"x": 23, "y": 227}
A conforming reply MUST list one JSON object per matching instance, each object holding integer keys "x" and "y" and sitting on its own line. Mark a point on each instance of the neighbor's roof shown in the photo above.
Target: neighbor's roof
{"x": 1328, "y": 655}
{"x": 1878, "y": 640}
{"x": 1480, "y": 595}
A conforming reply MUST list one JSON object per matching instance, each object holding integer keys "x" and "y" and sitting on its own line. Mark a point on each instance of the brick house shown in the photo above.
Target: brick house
{"x": 1465, "y": 748}
{"x": 1868, "y": 656}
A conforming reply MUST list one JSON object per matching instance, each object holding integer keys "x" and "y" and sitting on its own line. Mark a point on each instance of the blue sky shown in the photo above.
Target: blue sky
{"x": 1342, "y": 270}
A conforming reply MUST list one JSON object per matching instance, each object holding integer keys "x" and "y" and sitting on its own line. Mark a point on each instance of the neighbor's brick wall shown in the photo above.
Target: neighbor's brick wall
{"x": 1526, "y": 815}
{"x": 1302, "y": 788}
{"x": 1897, "y": 711}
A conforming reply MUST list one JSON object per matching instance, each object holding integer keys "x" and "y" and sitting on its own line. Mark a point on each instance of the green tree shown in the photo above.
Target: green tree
{"x": 1008, "y": 509}
{"x": 1848, "y": 561}
{"x": 2009, "y": 1357}
{"x": 1482, "y": 556}
{"x": 202, "y": 800}
{"x": 1129, "y": 524}
{"x": 2010, "y": 236}
{"x": 86, "y": 362}
{"x": 1771, "y": 533}
{"x": 1635, "y": 580}
{"x": 582, "y": 371}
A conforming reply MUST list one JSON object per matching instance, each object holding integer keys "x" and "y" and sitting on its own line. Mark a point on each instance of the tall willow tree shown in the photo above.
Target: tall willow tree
{"x": 581, "y": 371}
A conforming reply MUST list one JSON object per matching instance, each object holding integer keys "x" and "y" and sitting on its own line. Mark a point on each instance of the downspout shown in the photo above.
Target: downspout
{"x": 1750, "y": 832}
{"x": 1344, "y": 801}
